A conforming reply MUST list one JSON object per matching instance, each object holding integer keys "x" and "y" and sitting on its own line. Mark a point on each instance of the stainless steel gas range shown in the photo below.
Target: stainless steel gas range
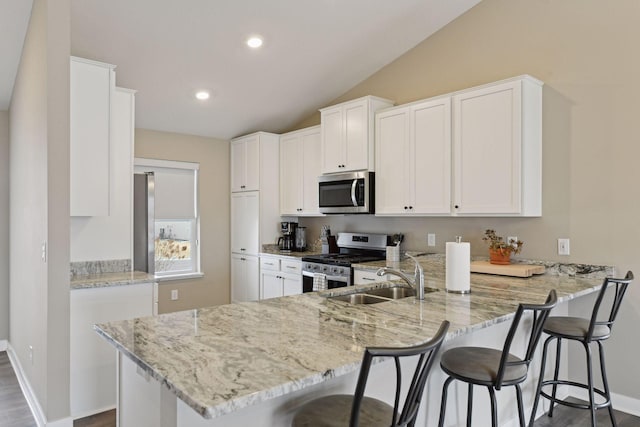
{"x": 354, "y": 248}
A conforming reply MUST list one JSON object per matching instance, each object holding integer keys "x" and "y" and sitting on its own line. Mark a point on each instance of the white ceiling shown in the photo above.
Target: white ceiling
{"x": 314, "y": 51}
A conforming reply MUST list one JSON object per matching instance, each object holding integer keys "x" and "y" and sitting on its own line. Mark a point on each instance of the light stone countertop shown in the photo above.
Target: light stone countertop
{"x": 225, "y": 358}
{"x": 270, "y": 250}
{"x": 102, "y": 280}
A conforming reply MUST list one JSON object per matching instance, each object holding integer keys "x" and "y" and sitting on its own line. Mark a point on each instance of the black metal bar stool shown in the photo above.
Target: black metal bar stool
{"x": 584, "y": 331}
{"x": 347, "y": 410}
{"x": 494, "y": 368}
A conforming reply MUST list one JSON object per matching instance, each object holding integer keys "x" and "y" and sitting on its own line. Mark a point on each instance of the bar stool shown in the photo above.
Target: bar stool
{"x": 584, "y": 331}
{"x": 354, "y": 410}
{"x": 493, "y": 368}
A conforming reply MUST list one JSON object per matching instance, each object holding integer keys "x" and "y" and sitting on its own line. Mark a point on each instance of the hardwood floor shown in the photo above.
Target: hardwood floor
{"x": 563, "y": 416}
{"x": 14, "y": 410}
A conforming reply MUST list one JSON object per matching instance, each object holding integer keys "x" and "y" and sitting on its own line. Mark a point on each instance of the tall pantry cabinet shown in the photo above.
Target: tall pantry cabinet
{"x": 255, "y": 204}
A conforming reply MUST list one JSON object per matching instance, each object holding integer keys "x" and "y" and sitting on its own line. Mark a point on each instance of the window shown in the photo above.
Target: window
{"x": 176, "y": 218}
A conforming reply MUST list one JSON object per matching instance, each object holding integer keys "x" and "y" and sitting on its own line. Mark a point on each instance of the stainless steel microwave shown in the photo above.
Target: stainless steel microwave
{"x": 347, "y": 193}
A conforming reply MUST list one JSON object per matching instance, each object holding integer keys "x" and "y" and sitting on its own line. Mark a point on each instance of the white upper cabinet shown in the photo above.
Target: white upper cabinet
{"x": 498, "y": 149}
{"x": 347, "y": 134}
{"x": 92, "y": 85}
{"x": 300, "y": 168}
{"x": 413, "y": 159}
{"x": 245, "y": 163}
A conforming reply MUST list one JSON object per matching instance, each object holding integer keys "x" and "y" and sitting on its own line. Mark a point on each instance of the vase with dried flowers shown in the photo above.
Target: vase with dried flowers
{"x": 500, "y": 250}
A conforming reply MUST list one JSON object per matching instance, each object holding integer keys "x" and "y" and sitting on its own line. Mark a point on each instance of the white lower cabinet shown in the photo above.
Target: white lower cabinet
{"x": 244, "y": 278}
{"x": 279, "y": 277}
{"x": 93, "y": 360}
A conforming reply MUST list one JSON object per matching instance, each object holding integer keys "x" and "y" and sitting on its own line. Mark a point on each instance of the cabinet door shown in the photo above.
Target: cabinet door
{"x": 244, "y": 278}
{"x": 291, "y": 175}
{"x": 393, "y": 177}
{"x": 430, "y": 157}
{"x": 356, "y": 135}
{"x": 270, "y": 284}
{"x": 245, "y": 220}
{"x": 310, "y": 172}
{"x": 252, "y": 163}
{"x": 252, "y": 278}
{"x": 333, "y": 156}
{"x": 291, "y": 284}
{"x": 487, "y": 144}
{"x": 91, "y": 86}
{"x": 238, "y": 159}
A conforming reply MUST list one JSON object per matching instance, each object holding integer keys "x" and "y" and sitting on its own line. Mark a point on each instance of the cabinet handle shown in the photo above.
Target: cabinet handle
{"x": 410, "y": 207}
{"x": 242, "y": 186}
{"x": 369, "y": 279}
{"x": 290, "y": 266}
{"x": 268, "y": 263}
{"x": 405, "y": 208}
{"x": 456, "y": 206}
{"x": 242, "y": 249}
{"x": 243, "y": 259}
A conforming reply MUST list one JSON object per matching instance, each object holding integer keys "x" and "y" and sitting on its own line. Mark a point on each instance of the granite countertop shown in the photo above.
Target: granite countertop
{"x": 222, "y": 359}
{"x": 275, "y": 250}
{"x": 102, "y": 280}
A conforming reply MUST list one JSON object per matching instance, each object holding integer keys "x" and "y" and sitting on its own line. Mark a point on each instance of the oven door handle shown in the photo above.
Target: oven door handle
{"x": 354, "y": 185}
{"x": 342, "y": 279}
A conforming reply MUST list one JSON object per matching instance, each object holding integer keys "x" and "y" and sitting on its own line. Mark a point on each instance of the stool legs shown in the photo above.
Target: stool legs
{"x": 606, "y": 385}
{"x": 540, "y": 380}
{"x": 443, "y": 404}
{"x": 555, "y": 375}
{"x": 520, "y": 406}
{"x": 469, "y": 404}
{"x": 592, "y": 399}
{"x": 494, "y": 411}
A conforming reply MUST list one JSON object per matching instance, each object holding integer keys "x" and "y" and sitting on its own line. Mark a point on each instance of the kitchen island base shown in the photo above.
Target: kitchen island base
{"x": 143, "y": 401}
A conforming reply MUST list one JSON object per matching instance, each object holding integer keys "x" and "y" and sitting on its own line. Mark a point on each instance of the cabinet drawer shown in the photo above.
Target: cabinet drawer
{"x": 269, "y": 263}
{"x": 362, "y": 277}
{"x": 290, "y": 266}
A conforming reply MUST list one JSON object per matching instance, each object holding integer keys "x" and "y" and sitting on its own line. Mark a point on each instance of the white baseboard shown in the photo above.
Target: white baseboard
{"x": 30, "y": 396}
{"x": 3, "y": 345}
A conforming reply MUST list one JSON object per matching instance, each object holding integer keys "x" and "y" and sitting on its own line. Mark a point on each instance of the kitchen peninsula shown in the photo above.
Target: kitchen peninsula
{"x": 254, "y": 363}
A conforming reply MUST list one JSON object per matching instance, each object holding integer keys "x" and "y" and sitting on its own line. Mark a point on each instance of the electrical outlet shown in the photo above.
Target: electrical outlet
{"x": 431, "y": 239}
{"x": 512, "y": 238}
{"x": 174, "y": 294}
{"x": 563, "y": 247}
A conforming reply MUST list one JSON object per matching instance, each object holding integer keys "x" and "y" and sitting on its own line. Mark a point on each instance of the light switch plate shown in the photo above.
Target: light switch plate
{"x": 431, "y": 239}
{"x": 563, "y": 247}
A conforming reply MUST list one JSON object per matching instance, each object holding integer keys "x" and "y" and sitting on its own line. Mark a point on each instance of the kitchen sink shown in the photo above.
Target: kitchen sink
{"x": 393, "y": 293}
{"x": 375, "y": 296}
{"x": 360, "y": 298}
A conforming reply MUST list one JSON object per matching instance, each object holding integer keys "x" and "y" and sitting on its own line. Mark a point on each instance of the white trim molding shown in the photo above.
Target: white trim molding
{"x": 3, "y": 345}
{"x": 30, "y": 396}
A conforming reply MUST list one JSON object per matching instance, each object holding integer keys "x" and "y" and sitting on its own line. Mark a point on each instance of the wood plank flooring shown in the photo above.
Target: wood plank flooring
{"x": 14, "y": 411}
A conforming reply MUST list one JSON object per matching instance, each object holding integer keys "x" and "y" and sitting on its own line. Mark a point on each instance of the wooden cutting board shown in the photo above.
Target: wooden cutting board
{"x": 515, "y": 270}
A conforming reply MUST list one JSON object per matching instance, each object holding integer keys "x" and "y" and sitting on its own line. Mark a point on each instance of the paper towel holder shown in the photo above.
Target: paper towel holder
{"x": 458, "y": 239}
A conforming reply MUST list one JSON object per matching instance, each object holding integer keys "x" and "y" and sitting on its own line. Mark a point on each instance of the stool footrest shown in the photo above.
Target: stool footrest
{"x": 606, "y": 403}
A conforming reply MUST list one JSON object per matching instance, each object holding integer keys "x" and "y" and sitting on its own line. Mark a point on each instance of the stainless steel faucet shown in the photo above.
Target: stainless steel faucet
{"x": 418, "y": 281}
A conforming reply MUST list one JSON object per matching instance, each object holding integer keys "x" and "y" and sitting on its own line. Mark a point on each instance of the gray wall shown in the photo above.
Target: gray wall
{"x": 580, "y": 49}
{"x": 39, "y": 207}
{"x": 4, "y": 225}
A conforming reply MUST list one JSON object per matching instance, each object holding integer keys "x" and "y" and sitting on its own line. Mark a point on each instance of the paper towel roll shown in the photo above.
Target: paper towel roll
{"x": 458, "y": 270}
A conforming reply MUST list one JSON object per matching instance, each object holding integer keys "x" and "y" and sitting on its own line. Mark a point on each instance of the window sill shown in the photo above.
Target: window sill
{"x": 178, "y": 277}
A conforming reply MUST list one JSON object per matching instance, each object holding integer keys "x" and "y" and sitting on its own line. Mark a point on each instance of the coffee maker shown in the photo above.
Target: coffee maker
{"x": 287, "y": 242}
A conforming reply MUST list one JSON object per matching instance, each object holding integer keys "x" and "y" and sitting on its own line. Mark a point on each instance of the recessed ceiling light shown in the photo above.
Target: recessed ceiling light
{"x": 202, "y": 95}
{"x": 254, "y": 42}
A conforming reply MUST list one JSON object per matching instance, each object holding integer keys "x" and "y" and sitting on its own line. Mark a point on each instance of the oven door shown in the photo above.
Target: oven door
{"x": 346, "y": 193}
{"x": 332, "y": 281}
